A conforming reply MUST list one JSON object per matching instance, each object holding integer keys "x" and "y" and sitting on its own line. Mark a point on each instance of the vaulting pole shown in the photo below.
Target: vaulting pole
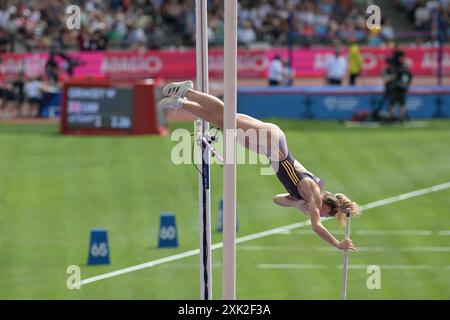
{"x": 202, "y": 127}
{"x": 229, "y": 173}
{"x": 345, "y": 270}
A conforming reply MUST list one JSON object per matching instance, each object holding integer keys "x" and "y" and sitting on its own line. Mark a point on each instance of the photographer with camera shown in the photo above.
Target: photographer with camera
{"x": 398, "y": 79}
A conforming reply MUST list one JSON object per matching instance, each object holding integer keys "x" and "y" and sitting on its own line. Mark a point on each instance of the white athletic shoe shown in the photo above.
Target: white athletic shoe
{"x": 177, "y": 88}
{"x": 171, "y": 103}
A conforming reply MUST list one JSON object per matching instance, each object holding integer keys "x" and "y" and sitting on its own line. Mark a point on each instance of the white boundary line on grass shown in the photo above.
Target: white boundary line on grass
{"x": 262, "y": 234}
{"x": 394, "y": 232}
{"x": 353, "y": 266}
{"x": 379, "y": 232}
{"x": 443, "y": 249}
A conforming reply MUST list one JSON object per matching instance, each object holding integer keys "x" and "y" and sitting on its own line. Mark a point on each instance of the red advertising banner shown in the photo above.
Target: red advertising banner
{"x": 180, "y": 64}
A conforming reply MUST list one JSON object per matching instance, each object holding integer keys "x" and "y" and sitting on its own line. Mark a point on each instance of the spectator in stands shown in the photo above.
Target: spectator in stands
{"x": 215, "y": 31}
{"x": 83, "y": 39}
{"x": 387, "y": 31}
{"x": 422, "y": 17}
{"x": 271, "y": 29}
{"x": 4, "y": 42}
{"x": 172, "y": 12}
{"x": 99, "y": 41}
{"x": 374, "y": 37}
{"x": 154, "y": 35}
{"x": 246, "y": 34}
{"x": 336, "y": 67}
{"x": 440, "y": 23}
{"x": 39, "y": 25}
{"x": 276, "y": 72}
{"x": 355, "y": 62}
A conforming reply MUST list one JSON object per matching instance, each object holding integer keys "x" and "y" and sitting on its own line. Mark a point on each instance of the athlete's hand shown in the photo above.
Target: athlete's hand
{"x": 346, "y": 244}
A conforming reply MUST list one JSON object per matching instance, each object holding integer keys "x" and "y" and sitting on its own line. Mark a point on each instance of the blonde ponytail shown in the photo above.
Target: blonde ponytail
{"x": 344, "y": 204}
{"x": 339, "y": 203}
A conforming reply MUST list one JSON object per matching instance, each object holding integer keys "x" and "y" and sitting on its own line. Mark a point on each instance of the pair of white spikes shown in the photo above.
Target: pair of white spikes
{"x": 175, "y": 94}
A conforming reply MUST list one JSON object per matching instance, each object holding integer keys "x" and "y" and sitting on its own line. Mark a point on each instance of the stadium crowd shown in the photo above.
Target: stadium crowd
{"x": 35, "y": 25}
{"x": 420, "y": 12}
{"x": 29, "y": 25}
{"x": 32, "y": 25}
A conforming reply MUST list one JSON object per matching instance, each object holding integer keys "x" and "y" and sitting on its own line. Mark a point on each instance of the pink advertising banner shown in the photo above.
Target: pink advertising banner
{"x": 180, "y": 64}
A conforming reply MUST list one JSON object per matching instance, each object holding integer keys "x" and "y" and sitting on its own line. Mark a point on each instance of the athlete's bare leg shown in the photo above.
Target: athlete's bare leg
{"x": 211, "y": 109}
{"x": 261, "y": 137}
{"x": 207, "y": 101}
{"x": 201, "y": 112}
{"x": 215, "y": 107}
{"x": 285, "y": 200}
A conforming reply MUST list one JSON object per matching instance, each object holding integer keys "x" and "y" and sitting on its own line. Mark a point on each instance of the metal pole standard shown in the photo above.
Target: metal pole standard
{"x": 229, "y": 173}
{"x": 201, "y": 127}
{"x": 345, "y": 272}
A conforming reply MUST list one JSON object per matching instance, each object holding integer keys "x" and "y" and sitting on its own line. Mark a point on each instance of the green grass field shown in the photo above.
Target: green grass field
{"x": 54, "y": 189}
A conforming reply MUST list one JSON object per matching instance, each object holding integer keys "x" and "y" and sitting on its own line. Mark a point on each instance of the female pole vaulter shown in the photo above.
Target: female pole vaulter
{"x": 303, "y": 187}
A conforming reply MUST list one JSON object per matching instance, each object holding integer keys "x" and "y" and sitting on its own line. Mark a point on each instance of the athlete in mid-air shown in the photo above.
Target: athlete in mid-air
{"x": 304, "y": 188}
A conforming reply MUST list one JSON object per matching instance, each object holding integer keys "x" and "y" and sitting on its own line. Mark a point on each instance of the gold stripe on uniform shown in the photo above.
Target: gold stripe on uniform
{"x": 292, "y": 170}
{"x": 280, "y": 154}
{"x": 289, "y": 171}
{"x": 277, "y": 153}
{"x": 293, "y": 177}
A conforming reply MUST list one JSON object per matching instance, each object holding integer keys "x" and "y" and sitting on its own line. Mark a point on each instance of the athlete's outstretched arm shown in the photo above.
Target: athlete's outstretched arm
{"x": 313, "y": 207}
{"x": 318, "y": 227}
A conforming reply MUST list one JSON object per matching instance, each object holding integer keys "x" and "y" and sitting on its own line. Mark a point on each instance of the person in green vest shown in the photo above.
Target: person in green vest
{"x": 355, "y": 62}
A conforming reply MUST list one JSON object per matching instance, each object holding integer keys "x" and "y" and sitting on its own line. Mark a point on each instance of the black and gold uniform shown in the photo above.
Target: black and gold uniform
{"x": 289, "y": 176}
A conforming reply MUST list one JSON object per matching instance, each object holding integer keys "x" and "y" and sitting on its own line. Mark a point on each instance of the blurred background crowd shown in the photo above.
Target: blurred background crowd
{"x": 32, "y": 25}
{"x": 40, "y": 26}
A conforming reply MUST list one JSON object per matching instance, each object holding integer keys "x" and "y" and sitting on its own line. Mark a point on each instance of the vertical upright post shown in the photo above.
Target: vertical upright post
{"x": 201, "y": 127}
{"x": 291, "y": 40}
{"x": 440, "y": 26}
{"x": 345, "y": 272}
{"x": 229, "y": 173}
